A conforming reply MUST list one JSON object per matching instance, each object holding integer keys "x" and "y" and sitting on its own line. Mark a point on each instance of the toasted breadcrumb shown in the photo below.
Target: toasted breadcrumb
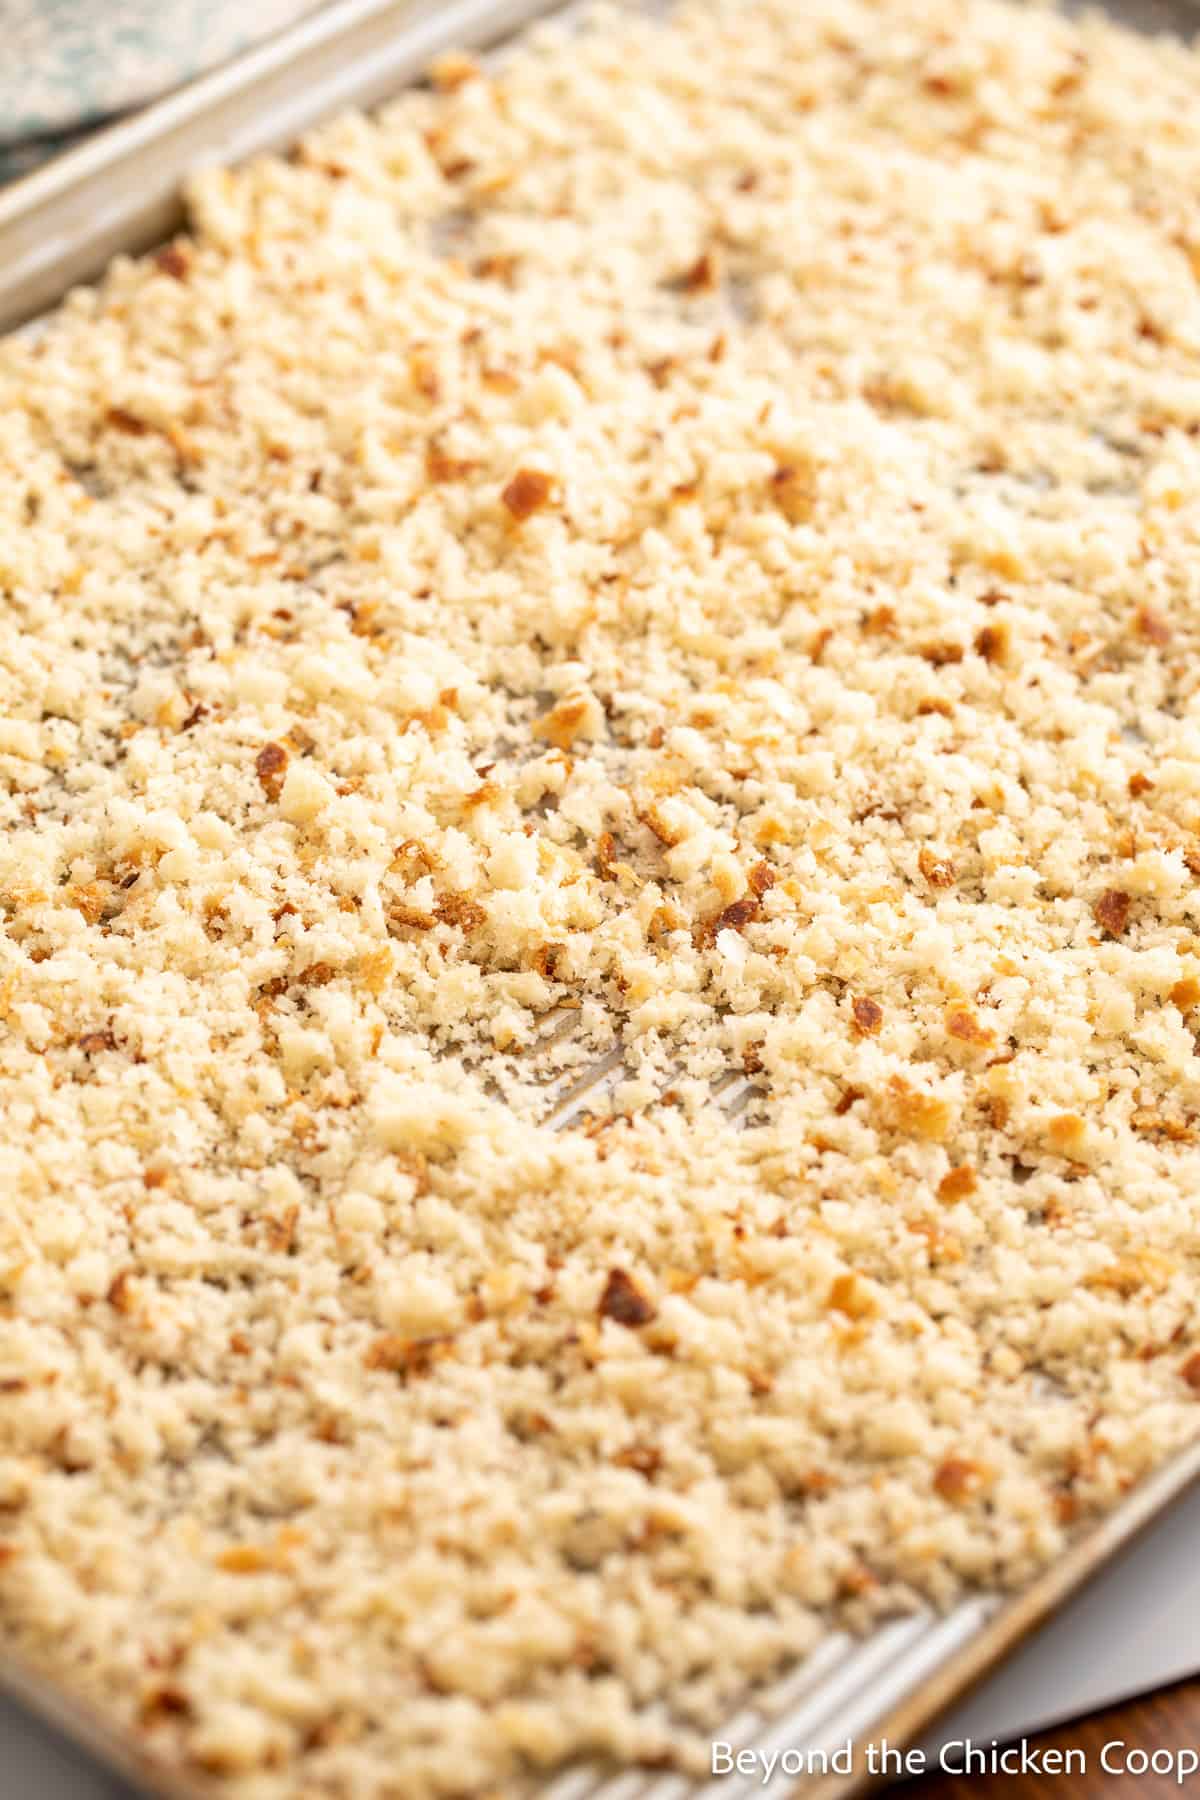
{"x": 680, "y": 550}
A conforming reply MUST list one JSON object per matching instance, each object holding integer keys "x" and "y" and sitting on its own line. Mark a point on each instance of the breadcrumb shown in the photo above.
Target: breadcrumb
{"x": 674, "y": 553}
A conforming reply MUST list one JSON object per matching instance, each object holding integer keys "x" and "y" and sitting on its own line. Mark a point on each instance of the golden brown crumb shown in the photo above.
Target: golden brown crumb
{"x": 121, "y": 419}
{"x": 271, "y": 766}
{"x": 958, "y": 1479}
{"x": 868, "y": 1015}
{"x": 441, "y": 467}
{"x": 529, "y": 491}
{"x": 1153, "y": 627}
{"x": 850, "y": 1295}
{"x": 963, "y": 1023}
{"x": 174, "y": 260}
{"x": 994, "y": 643}
{"x": 623, "y": 1301}
{"x": 1066, "y": 1132}
{"x": 957, "y": 1184}
{"x": 452, "y": 70}
{"x": 794, "y": 491}
{"x": 574, "y": 716}
{"x": 938, "y": 870}
{"x": 1112, "y": 911}
{"x": 701, "y": 275}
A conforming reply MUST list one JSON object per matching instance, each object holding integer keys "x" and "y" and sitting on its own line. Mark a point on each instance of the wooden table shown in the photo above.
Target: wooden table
{"x": 1169, "y": 1720}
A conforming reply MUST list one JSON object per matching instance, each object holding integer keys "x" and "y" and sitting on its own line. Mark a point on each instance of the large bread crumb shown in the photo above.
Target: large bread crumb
{"x": 682, "y": 550}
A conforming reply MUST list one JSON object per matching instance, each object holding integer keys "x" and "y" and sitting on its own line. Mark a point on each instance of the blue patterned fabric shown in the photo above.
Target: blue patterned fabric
{"x": 67, "y": 65}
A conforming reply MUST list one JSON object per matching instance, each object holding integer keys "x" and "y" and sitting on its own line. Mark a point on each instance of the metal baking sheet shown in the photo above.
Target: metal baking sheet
{"x": 120, "y": 192}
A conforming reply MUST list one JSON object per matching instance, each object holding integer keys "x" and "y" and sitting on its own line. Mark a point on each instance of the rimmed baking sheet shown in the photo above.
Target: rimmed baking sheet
{"x": 120, "y": 192}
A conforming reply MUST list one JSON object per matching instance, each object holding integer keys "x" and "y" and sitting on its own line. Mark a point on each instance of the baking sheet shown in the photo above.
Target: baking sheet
{"x": 120, "y": 192}
{"x": 1136, "y": 1626}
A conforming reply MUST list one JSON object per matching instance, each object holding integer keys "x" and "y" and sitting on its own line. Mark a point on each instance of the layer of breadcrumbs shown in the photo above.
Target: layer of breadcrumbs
{"x": 687, "y": 547}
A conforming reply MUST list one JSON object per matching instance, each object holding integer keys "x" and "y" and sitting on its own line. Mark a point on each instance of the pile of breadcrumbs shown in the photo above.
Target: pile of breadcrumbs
{"x": 684, "y": 552}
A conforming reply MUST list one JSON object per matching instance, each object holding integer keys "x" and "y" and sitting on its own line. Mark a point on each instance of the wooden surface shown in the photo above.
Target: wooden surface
{"x": 1169, "y": 1720}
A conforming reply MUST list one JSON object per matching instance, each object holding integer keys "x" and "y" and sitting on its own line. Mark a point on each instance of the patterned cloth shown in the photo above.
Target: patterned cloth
{"x": 67, "y": 65}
